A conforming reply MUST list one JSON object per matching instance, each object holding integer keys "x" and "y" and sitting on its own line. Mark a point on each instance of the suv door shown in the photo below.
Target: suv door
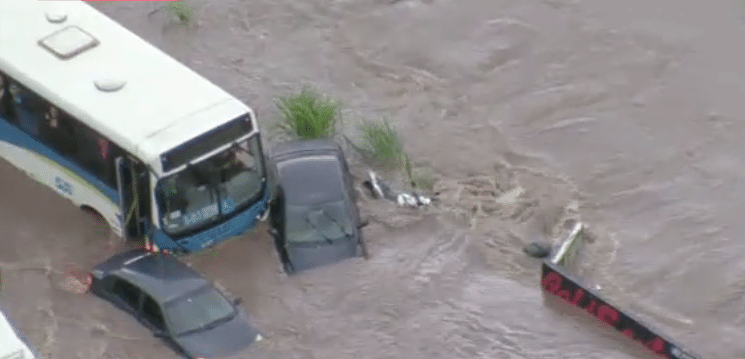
{"x": 152, "y": 314}
{"x": 349, "y": 183}
{"x": 272, "y": 177}
{"x": 125, "y": 295}
{"x": 275, "y": 211}
{"x": 277, "y": 216}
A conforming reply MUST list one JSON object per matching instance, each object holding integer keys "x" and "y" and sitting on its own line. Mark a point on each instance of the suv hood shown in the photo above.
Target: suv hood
{"x": 311, "y": 255}
{"x": 222, "y": 341}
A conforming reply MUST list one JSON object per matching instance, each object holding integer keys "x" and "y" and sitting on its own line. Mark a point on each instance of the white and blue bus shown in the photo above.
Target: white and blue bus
{"x": 120, "y": 128}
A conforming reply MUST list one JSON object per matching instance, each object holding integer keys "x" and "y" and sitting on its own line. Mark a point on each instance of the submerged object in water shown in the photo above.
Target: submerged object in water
{"x": 412, "y": 200}
{"x": 380, "y": 189}
{"x": 537, "y": 250}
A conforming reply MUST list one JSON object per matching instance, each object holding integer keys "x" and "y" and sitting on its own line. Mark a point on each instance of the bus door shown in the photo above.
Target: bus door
{"x": 134, "y": 199}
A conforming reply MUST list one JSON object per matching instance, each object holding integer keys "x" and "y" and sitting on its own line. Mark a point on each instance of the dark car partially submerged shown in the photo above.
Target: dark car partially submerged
{"x": 176, "y": 303}
{"x": 314, "y": 216}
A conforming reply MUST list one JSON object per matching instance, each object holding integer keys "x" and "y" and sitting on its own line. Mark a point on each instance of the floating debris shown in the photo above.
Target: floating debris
{"x": 380, "y": 189}
{"x": 77, "y": 282}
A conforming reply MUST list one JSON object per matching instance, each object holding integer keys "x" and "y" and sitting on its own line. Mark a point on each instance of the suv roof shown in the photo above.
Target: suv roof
{"x": 288, "y": 148}
{"x": 161, "y": 275}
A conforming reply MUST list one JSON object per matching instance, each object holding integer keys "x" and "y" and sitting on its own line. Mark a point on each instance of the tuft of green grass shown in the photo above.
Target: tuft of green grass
{"x": 181, "y": 10}
{"x": 308, "y": 114}
{"x": 382, "y": 141}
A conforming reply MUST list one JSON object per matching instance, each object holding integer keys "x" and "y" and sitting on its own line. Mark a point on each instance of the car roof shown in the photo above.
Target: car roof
{"x": 292, "y": 149}
{"x": 312, "y": 180}
{"x": 161, "y": 275}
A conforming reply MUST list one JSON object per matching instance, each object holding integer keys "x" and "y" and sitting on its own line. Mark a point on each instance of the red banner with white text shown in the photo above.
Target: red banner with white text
{"x": 558, "y": 282}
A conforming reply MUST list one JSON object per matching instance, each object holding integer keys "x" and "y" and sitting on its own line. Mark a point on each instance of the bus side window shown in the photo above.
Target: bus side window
{"x": 7, "y": 107}
{"x": 58, "y": 132}
{"x": 109, "y": 152}
{"x": 30, "y": 108}
{"x": 96, "y": 154}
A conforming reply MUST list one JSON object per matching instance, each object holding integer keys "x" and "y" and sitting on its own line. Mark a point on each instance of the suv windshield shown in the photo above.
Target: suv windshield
{"x": 328, "y": 222}
{"x": 198, "y": 311}
{"x": 316, "y": 207}
{"x": 217, "y": 186}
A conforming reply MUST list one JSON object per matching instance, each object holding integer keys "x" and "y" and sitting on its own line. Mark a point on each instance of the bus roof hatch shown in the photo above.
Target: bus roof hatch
{"x": 68, "y": 42}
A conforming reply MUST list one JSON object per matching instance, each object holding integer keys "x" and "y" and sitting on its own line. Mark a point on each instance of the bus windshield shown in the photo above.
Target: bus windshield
{"x": 203, "y": 192}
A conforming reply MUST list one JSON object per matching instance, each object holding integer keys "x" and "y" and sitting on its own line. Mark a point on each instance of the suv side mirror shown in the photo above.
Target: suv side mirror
{"x": 237, "y": 301}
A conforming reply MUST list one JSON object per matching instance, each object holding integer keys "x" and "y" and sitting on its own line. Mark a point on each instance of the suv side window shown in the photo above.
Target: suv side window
{"x": 126, "y": 292}
{"x": 152, "y": 313}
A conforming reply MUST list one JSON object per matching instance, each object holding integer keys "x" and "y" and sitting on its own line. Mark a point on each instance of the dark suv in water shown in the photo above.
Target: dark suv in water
{"x": 314, "y": 216}
{"x": 176, "y": 303}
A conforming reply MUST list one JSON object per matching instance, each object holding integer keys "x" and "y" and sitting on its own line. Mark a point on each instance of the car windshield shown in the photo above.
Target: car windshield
{"x": 327, "y": 222}
{"x": 198, "y": 311}
{"x": 189, "y": 199}
{"x": 311, "y": 180}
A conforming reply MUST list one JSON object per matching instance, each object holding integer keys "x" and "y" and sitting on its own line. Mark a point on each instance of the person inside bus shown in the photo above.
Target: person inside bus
{"x": 30, "y": 109}
{"x": 90, "y": 154}
{"x": 107, "y": 170}
{"x": 60, "y": 132}
{"x": 229, "y": 164}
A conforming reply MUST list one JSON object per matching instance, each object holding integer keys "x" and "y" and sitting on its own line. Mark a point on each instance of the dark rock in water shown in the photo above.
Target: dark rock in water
{"x": 537, "y": 250}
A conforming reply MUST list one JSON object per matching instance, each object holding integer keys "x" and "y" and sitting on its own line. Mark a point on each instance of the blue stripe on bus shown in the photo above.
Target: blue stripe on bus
{"x": 16, "y": 137}
{"x": 226, "y": 230}
{"x": 235, "y": 226}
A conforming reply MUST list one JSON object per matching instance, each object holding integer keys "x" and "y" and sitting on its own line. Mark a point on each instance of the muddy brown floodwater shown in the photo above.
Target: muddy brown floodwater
{"x": 530, "y": 112}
